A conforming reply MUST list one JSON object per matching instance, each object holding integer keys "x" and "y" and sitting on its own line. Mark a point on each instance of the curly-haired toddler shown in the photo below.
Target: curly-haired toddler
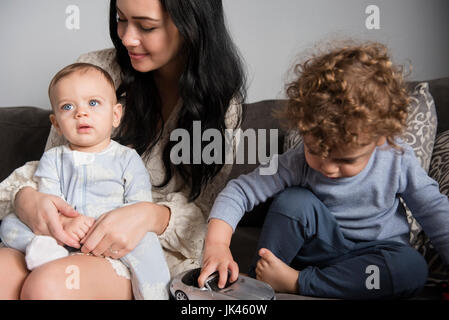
{"x": 336, "y": 227}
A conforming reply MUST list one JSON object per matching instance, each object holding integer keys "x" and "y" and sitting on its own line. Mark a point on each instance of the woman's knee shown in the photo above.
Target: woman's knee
{"x": 76, "y": 277}
{"x": 11, "y": 282}
{"x": 47, "y": 282}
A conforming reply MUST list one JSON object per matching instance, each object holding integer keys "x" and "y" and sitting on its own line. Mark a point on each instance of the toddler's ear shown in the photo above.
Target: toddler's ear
{"x": 117, "y": 115}
{"x": 55, "y": 124}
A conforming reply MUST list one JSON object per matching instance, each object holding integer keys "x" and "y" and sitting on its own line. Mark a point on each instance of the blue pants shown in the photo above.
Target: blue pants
{"x": 300, "y": 230}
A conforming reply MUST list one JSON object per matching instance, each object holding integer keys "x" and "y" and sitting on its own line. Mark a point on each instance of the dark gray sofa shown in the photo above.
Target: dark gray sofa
{"x": 23, "y": 133}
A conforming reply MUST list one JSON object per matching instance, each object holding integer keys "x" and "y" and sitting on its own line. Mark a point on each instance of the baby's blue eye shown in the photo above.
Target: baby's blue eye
{"x": 67, "y": 107}
{"x": 93, "y": 103}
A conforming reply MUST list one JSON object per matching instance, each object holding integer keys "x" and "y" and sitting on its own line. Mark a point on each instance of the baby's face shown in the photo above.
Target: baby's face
{"x": 85, "y": 110}
{"x": 344, "y": 162}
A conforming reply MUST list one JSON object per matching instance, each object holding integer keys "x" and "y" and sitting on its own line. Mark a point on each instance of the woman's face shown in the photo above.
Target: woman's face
{"x": 149, "y": 34}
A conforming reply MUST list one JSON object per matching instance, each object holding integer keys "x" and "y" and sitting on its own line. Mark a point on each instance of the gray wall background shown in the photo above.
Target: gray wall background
{"x": 271, "y": 35}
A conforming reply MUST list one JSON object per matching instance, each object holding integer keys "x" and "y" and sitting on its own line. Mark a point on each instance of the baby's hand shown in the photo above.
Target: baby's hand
{"x": 77, "y": 227}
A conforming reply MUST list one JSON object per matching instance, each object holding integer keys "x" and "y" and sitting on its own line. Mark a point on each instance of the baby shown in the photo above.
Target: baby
{"x": 94, "y": 174}
{"x": 336, "y": 227}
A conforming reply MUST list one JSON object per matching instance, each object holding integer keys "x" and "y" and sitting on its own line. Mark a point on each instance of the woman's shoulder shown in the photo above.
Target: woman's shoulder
{"x": 105, "y": 59}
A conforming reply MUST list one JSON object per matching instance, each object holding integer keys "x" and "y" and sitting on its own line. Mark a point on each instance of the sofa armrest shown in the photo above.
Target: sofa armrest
{"x": 23, "y": 134}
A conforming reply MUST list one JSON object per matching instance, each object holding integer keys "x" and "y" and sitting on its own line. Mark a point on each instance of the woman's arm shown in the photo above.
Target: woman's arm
{"x": 9, "y": 188}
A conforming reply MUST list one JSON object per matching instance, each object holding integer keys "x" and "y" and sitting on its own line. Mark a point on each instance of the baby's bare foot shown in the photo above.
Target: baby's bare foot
{"x": 280, "y": 276}
{"x": 77, "y": 227}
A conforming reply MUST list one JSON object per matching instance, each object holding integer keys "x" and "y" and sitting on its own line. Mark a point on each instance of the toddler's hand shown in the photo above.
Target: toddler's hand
{"x": 77, "y": 227}
{"x": 218, "y": 257}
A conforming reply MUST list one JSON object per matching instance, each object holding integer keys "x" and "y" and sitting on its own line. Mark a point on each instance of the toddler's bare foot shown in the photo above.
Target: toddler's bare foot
{"x": 280, "y": 276}
{"x": 77, "y": 227}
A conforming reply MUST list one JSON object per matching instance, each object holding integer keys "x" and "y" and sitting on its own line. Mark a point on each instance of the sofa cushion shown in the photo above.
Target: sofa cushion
{"x": 439, "y": 89}
{"x": 23, "y": 134}
{"x": 258, "y": 116}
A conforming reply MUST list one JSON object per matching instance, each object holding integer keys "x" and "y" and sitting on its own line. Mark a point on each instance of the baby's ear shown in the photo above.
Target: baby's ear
{"x": 117, "y": 114}
{"x": 55, "y": 124}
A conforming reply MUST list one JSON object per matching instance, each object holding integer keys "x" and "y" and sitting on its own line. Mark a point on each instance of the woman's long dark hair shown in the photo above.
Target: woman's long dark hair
{"x": 212, "y": 77}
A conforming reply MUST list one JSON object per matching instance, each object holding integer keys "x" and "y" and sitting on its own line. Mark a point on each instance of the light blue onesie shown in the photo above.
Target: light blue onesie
{"x": 93, "y": 184}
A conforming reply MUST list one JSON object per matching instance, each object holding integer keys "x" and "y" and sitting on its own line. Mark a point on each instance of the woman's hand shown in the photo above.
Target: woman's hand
{"x": 217, "y": 255}
{"x": 40, "y": 212}
{"x": 118, "y": 232}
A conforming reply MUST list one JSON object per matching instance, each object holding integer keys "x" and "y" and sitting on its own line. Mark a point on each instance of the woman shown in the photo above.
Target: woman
{"x": 173, "y": 63}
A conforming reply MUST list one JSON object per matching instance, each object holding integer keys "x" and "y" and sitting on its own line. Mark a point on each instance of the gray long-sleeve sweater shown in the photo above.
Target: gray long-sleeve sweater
{"x": 365, "y": 206}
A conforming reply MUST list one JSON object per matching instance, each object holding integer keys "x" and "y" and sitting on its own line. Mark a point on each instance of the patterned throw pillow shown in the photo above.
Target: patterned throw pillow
{"x": 421, "y": 124}
{"x": 420, "y": 135}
